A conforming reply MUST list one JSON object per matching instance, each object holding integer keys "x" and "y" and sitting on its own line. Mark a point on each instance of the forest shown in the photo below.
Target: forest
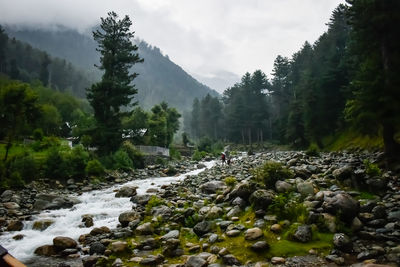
{"x": 340, "y": 92}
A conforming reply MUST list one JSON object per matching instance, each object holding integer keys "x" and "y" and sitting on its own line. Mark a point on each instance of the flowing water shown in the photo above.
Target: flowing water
{"x": 101, "y": 204}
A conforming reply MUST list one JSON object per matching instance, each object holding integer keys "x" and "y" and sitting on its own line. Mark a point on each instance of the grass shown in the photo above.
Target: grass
{"x": 353, "y": 141}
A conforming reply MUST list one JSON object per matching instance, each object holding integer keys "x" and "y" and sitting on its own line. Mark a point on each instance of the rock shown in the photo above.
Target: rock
{"x": 213, "y": 238}
{"x": 117, "y": 263}
{"x": 15, "y": 226}
{"x": 356, "y": 224}
{"x": 53, "y": 202}
{"x": 100, "y": 230}
{"x": 152, "y": 260}
{"x": 231, "y": 260}
{"x": 170, "y": 247}
{"x": 42, "y": 224}
{"x": 394, "y": 216}
{"x": 46, "y": 250}
{"x": 128, "y": 216}
{"x": 233, "y": 233}
{"x": 214, "y": 213}
{"x": 342, "y": 242}
{"x": 282, "y": 186}
{"x": 7, "y": 195}
{"x": 379, "y": 212}
{"x": 87, "y": 220}
{"x": 97, "y": 248}
{"x": 342, "y": 204}
{"x": 18, "y": 237}
{"x": 303, "y": 234}
{"x": 343, "y": 173}
{"x": 276, "y": 228}
{"x": 261, "y": 199}
{"x": 238, "y": 201}
{"x": 195, "y": 261}
{"x": 145, "y": 229}
{"x": 164, "y": 211}
{"x": 305, "y": 188}
{"x": 61, "y": 243}
{"x": 336, "y": 259}
{"x": 141, "y": 199}
{"x": 89, "y": 261}
{"x": 202, "y": 228}
{"x": 253, "y": 233}
{"x": 243, "y": 189}
{"x": 212, "y": 187}
{"x": 11, "y": 205}
{"x": 260, "y": 246}
{"x": 126, "y": 191}
{"x": 174, "y": 234}
{"x": 234, "y": 212}
{"x": 278, "y": 260}
{"x": 119, "y": 246}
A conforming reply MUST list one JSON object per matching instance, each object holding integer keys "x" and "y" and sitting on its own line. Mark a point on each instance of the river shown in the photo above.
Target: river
{"x": 101, "y": 204}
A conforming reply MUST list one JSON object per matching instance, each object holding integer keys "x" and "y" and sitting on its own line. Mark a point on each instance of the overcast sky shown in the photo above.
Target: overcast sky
{"x": 208, "y": 38}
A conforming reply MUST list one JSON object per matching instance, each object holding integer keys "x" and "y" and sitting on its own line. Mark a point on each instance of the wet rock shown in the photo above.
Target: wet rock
{"x": 342, "y": 204}
{"x": 53, "y": 202}
{"x": 202, "y": 228}
{"x": 141, "y": 199}
{"x": 87, "y": 220}
{"x": 260, "y": 246}
{"x": 15, "y": 226}
{"x": 42, "y": 224}
{"x": 231, "y": 260}
{"x": 253, "y": 234}
{"x": 100, "y": 230}
{"x": 303, "y": 234}
{"x": 126, "y": 191}
{"x": 18, "y": 237}
{"x": 61, "y": 243}
{"x": 145, "y": 229}
{"x": 126, "y": 217}
{"x": 342, "y": 242}
{"x": 46, "y": 250}
{"x": 97, "y": 248}
{"x": 261, "y": 199}
{"x": 212, "y": 187}
{"x": 195, "y": 261}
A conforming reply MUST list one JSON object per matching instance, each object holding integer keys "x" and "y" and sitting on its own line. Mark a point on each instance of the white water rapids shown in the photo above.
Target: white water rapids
{"x": 101, "y": 204}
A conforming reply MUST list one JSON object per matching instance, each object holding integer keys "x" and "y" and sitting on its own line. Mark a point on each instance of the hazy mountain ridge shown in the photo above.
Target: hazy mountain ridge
{"x": 159, "y": 78}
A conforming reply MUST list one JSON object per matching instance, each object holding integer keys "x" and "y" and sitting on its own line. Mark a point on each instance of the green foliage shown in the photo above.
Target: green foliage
{"x": 230, "y": 181}
{"x": 38, "y": 134}
{"x": 77, "y": 160}
{"x": 174, "y": 153}
{"x": 55, "y": 165}
{"x": 372, "y": 169}
{"x": 192, "y": 220}
{"x": 287, "y": 207}
{"x": 197, "y": 155}
{"x": 94, "y": 168}
{"x": 313, "y": 150}
{"x": 154, "y": 202}
{"x": 122, "y": 160}
{"x": 26, "y": 166}
{"x": 269, "y": 173}
{"x": 134, "y": 154}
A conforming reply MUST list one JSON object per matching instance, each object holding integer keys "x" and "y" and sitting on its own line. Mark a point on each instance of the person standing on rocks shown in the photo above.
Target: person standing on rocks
{"x": 223, "y": 157}
{"x": 227, "y": 155}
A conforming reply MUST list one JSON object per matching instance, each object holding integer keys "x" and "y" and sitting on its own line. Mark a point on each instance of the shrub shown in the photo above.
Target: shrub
{"x": 94, "y": 168}
{"x": 197, "y": 155}
{"x": 271, "y": 172}
{"x": 55, "y": 165}
{"x": 122, "y": 160}
{"x": 230, "y": 181}
{"x": 313, "y": 150}
{"x": 26, "y": 167}
{"x": 372, "y": 169}
{"x": 134, "y": 154}
{"x": 154, "y": 201}
{"x": 288, "y": 207}
{"x": 205, "y": 144}
{"x": 38, "y": 134}
{"x": 174, "y": 153}
{"x": 15, "y": 180}
{"x": 77, "y": 160}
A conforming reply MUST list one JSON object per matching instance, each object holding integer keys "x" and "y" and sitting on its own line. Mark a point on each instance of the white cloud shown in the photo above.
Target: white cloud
{"x": 204, "y": 37}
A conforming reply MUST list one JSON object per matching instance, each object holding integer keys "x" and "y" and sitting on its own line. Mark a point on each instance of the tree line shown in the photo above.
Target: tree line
{"x": 345, "y": 81}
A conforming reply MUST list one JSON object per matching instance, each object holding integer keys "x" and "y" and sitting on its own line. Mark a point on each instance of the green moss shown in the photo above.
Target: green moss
{"x": 154, "y": 202}
{"x": 366, "y": 195}
{"x": 230, "y": 181}
{"x": 353, "y": 141}
{"x": 272, "y": 171}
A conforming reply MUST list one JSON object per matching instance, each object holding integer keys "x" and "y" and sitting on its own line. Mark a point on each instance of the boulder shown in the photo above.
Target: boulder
{"x": 164, "y": 211}
{"x": 119, "y": 246}
{"x": 128, "y": 216}
{"x": 141, "y": 199}
{"x": 61, "y": 243}
{"x": 145, "y": 229}
{"x": 202, "y": 228}
{"x": 46, "y": 250}
{"x": 303, "y": 234}
{"x": 261, "y": 199}
{"x": 213, "y": 187}
{"x": 89, "y": 261}
{"x": 11, "y": 205}
{"x": 305, "y": 188}
{"x": 231, "y": 260}
{"x": 195, "y": 261}
{"x": 343, "y": 173}
{"x": 15, "y": 225}
{"x": 234, "y": 212}
{"x": 214, "y": 213}
{"x": 174, "y": 234}
{"x": 87, "y": 220}
{"x": 342, "y": 242}
{"x": 100, "y": 230}
{"x": 126, "y": 191}
{"x": 342, "y": 204}
{"x": 97, "y": 248}
{"x": 253, "y": 233}
{"x": 6, "y": 196}
{"x": 260, "y": 246}
{"x": 243, "y": 190}
{"x": 42, "y": 224}
{"x": 53, "y": 202}
{"x": 282, "y": 187}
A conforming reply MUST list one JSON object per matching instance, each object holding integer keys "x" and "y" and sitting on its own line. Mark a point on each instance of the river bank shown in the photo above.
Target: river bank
{"x": 221, "y": 216}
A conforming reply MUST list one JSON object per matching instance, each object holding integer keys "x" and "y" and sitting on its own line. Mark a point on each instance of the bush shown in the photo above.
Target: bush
{"x": 271, "y": 172}
{"x": 174, "y": 153}
{"x": 288, "y": 207}
{"x": 372, "y": 169}
{"x": 197, "y": 155}
{"x": 154, "y": 201}
{"x": 77, "y": 160}
{"x": 94, "y": 168}
{"x": 205, "y": 144}
{"x": 15, "y": 180}
{"x": 134, "y": 154}
{"x": 55, "y": 165}
{"x": 122, "y": 160}
{"x": 38, "y": 134}
{"x": 26, "y": 167}
{"x": 46, "y": 143}
{"x": 313, "y": 150}
{"x": 230, "y": 181}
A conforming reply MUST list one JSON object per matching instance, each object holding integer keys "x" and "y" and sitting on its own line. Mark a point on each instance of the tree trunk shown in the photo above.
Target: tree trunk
{"x": 242, "y": 136}
{"x": 392, "y": 148}
{"x": 249, "y": 135}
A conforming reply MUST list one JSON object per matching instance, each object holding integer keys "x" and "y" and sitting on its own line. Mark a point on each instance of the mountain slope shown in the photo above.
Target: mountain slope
{"x": 159, "y": 78}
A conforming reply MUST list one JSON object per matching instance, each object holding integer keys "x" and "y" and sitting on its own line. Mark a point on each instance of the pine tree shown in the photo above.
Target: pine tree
{"x": 115, "y": 90}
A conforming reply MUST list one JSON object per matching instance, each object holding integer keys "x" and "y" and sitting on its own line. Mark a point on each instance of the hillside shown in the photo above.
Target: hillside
{"x": 159, "y": 78}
